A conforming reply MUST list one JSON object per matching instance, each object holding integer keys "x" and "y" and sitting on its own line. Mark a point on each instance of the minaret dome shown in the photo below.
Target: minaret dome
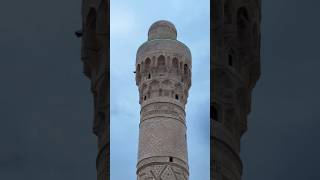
{"x": 162, "y": 30}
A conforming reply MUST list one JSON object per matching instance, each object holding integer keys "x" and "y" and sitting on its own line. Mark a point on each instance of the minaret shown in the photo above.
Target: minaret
{"x": 235, "y": 69}
{"x": 95, "y": 57}
{"x": 163, "y": 75}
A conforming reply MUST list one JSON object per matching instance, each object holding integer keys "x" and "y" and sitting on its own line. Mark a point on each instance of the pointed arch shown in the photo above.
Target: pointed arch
{"x": 148, "y": 63}
{"x": 161, "y": 61}
{"x": 243, "y": 23}
{"x": 175, "y": 63}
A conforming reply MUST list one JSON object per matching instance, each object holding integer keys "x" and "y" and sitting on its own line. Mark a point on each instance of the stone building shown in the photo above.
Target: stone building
{"x": 163, "y": 75}
{"x": 235, "y": 68}
{"x": 95, "y": 57}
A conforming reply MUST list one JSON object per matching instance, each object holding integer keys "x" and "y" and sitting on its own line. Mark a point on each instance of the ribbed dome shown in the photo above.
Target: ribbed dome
{"x": 162, "y": 30}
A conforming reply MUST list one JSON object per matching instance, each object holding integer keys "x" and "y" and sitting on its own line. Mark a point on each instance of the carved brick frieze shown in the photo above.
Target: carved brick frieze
{"x": 162, "y": 110}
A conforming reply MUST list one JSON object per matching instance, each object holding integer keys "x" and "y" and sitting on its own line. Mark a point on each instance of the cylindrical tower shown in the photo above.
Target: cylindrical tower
{"x": 235, "y": 50}
{"x": 163, "y": 75}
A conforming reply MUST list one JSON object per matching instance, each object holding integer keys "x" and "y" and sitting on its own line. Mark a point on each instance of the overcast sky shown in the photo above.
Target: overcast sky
{"x": 46, "y": 104}
{"x": 130, "y": 21}
{"x": 282, "y": 141}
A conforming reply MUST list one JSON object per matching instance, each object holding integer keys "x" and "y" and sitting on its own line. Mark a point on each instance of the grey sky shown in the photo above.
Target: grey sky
{"x": 283, "y": 135}
{"x": 46, "y": 104}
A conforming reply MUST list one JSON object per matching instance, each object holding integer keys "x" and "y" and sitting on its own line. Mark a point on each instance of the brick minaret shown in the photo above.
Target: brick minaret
{"x": 235, "y": 68}
{"x": 163, "y": 75}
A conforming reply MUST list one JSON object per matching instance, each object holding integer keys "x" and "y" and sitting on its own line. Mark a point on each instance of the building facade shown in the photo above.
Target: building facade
{"x": 235, "y": 68}
{"x": 95, "y": 57}
{"x": 163, "y": 76}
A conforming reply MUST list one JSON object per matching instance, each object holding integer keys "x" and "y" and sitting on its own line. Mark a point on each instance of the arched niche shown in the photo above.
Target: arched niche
{"x": 227, "y": 9}
{"x": 175, "y": 63}
{"x": 161, "y": 61}
{"x": 185, "y": 69}
{"x": 147, "y": 63}
{"x": 243, "y": 23}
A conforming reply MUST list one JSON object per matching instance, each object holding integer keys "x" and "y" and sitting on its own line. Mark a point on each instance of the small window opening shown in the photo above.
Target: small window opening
{"x": 177, "y": 97}
{"x": 171, "y": 159}
{"x": 230, "y": 60}
{"x": 214, "y": 113}
{"x": 149, "y": 76}
{"x": 145, "y": 98}
{"x": 185, "y": 69}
